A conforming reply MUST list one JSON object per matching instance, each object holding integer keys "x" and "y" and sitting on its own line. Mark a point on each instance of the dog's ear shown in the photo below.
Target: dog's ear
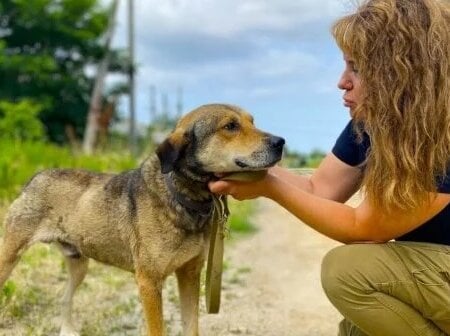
{"x": 170, "y": 150}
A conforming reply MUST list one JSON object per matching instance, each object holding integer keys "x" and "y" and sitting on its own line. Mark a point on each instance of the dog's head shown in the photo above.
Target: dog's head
{"x": 218, "y": 138}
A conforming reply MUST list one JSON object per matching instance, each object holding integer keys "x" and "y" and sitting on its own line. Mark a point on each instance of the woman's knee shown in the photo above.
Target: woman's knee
{"x": 333, "y": 271}
{"x": 345, "y": 268}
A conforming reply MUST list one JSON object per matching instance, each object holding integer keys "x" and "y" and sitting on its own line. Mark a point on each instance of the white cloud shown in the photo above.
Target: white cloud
{"x": 232, "y": 17}
{"x": 273, "y": 67}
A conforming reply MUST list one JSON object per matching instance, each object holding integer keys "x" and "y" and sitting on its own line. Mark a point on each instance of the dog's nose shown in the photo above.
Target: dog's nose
{"x": 276, "y": 142}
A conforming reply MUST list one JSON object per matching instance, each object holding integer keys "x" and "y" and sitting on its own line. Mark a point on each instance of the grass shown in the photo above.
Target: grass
{"x": 240, "y": 217}
{"x": 105, "y": 304}
{"x": 20, "y": 160}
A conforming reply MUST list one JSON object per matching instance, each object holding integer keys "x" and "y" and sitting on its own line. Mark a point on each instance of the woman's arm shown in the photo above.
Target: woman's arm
{"x": 317, "y": 201}
{"x": 333, "y": 179}
{"x": 346, "y": 224}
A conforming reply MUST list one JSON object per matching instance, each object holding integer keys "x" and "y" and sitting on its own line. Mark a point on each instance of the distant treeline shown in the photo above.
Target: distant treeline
{"x": 294, "y": 159}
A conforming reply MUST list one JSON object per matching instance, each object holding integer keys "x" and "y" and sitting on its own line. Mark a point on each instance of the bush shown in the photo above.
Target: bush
{"x": 20, "y": 121}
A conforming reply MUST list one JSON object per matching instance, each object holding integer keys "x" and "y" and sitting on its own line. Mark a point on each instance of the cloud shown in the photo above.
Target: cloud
{"x": 202, "y": 30}
{"x": 232, "y": 18}
{"x": 263, "y": 43}
{"x": 269, "y": 64}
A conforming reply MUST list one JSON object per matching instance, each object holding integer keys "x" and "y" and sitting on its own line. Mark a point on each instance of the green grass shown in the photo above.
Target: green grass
{"x": 20, "y": 160}
{"x": 241, "y": 213}
{"x": 105, "y": 304}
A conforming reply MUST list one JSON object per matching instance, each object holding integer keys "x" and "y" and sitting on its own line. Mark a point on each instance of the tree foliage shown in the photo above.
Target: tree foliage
{"x": 46, "y": 48}
{"x": 295, "y": 159}
{"x": 19, "y": 121}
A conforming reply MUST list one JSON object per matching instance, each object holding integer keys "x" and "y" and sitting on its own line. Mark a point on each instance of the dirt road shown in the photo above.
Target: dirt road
{"x": 275, "y": 291}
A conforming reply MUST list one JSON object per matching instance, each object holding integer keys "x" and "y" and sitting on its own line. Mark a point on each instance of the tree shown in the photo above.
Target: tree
{"x": 95, "y": 105}
{"x": 46, "y": 46}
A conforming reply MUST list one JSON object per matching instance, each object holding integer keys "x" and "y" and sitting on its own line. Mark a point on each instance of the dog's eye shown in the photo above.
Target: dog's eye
{"x": 232, "y": 126}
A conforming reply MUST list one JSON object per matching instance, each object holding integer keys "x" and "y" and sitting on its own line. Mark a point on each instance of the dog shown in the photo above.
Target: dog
{"x": 152, "y": 221}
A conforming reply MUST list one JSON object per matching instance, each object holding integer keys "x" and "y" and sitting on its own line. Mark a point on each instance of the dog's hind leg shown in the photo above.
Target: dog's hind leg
{"x": 188, "y": 277}
{"x": 9, "y": 256}
{"x": 77, "y": 267}
{"x": 21, "y": 227}
{"x": 15, "y": 241}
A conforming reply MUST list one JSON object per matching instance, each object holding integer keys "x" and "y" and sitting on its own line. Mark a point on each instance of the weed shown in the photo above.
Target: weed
{"x": 8, "y": 291}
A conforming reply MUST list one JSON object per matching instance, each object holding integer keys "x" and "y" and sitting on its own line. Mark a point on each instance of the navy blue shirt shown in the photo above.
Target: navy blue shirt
{"x": 353, "y": 153}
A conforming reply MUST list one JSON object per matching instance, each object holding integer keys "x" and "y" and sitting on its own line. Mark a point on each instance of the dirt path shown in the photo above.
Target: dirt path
{"x": 276, "y": 291}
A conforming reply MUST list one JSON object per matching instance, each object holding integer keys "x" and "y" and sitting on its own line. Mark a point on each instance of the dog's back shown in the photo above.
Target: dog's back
{"x": 64, "y": 205}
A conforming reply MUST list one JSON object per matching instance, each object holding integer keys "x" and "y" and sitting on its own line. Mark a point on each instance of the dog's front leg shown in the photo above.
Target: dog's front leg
{"x": 188, "y": 277}
{"x": 150, "y": 292}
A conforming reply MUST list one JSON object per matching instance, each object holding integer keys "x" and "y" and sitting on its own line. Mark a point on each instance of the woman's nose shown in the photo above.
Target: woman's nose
{"x": 345, "y": 83}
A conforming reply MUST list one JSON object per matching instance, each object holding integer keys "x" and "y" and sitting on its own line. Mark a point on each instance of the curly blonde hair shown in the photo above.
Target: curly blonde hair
{"x": 402, "y": 51}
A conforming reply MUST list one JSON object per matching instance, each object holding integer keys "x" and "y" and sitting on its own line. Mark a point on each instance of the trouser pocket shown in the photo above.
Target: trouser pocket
{"x": 433, "y": 288}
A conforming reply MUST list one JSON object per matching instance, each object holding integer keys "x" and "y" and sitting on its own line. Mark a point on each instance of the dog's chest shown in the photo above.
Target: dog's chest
{"x": 170, "y": 252}
{"x": 192, "y": 247}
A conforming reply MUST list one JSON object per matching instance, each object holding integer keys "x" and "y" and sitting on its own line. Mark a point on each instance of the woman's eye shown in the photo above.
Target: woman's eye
{"x": 353, "y": 67}
{"x": 232, "y": 126}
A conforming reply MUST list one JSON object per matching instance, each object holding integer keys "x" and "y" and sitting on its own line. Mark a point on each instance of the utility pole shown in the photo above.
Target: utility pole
{"x": 165, "y": 105}
{"x": 152, "y": 103}
{"x": 132, "y": 130}
{"x": 179, "y": 101}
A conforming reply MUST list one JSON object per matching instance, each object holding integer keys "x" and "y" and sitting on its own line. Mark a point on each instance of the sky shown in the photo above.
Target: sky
{"x": 274, "y": 58}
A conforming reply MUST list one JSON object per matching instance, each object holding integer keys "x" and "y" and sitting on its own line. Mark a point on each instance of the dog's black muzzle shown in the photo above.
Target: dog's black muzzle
{"x": 276, "y": 145}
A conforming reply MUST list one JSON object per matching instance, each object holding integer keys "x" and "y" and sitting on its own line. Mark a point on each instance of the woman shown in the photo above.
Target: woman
{"x": 397, "y": 148}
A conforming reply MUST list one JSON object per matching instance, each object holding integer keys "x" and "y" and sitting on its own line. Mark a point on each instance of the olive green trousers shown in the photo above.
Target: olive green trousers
{"x": 396, "y": 288}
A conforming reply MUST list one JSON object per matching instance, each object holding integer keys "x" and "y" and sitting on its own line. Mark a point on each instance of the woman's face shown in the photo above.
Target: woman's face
{"x": 351, "y": 83}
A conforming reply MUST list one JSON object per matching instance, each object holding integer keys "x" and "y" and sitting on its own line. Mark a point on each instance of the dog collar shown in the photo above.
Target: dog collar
{"x": 203, "y": 208}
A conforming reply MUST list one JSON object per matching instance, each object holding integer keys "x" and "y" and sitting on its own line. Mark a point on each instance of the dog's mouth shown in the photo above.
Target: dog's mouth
{"x": 245, "y": 166}
{"x": 259, "y": 160}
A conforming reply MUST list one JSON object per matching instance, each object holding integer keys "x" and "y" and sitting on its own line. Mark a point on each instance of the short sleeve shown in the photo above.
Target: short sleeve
{"x": 443, "y": 183}
{"x": 348, "y": 149}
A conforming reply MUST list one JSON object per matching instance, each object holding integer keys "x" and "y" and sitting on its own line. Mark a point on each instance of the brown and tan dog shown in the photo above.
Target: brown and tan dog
{"x": 152, "y": 221}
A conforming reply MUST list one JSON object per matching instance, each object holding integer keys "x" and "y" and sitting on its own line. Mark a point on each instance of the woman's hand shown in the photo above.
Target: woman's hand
{"x": 241, "y": 190}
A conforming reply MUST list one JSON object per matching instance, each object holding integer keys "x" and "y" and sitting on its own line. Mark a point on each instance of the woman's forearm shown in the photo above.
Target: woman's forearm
{"x": 300, "y": 181}
{"x": 333, "y": 219}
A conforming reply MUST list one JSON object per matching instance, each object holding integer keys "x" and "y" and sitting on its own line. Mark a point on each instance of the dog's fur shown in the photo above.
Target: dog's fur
{"x": 140, "y": 220}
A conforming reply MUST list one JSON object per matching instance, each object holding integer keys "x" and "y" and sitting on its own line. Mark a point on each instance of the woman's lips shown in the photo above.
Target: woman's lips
{"x": 349, "y": 103}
